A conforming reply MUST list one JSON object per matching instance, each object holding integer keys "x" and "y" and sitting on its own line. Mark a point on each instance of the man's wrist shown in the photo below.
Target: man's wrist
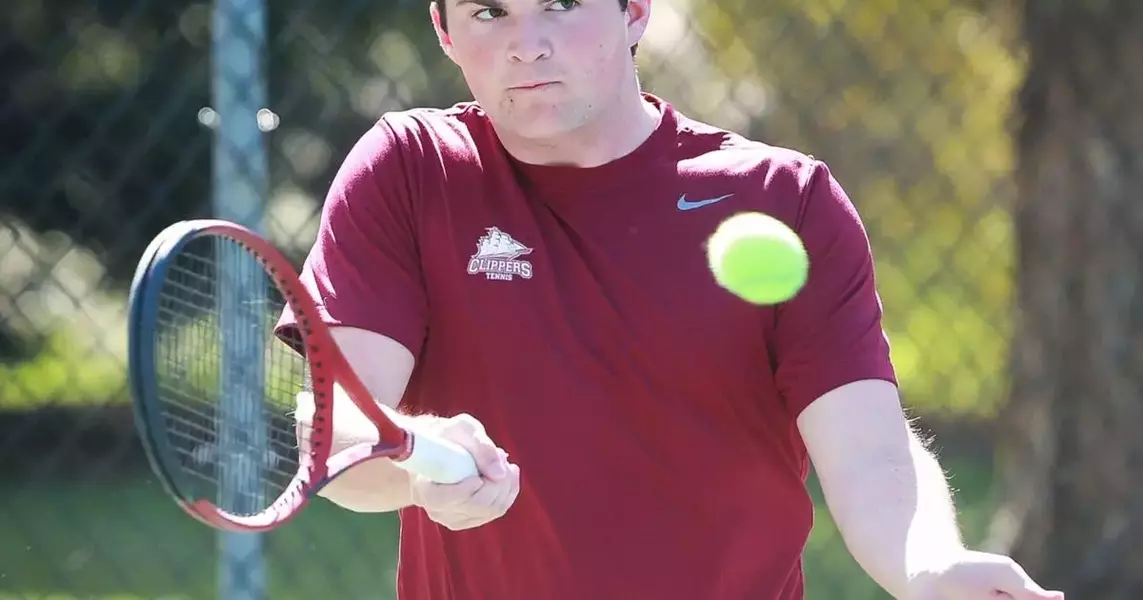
{"x": 420, "y": 423}
{"x": 926, "y": 557}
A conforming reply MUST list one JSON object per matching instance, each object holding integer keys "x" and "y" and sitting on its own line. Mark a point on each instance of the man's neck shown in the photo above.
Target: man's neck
{"x": 616, "y": 134}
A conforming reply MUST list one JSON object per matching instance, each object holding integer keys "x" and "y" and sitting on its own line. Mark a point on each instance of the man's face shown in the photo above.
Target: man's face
{"x": 541, "y": 68}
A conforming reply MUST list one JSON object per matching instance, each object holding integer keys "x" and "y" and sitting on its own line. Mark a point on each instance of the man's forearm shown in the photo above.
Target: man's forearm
{"x": 898, "y": 520}
{"x": 370, "y": 487}
{"x": 374, "y": 485}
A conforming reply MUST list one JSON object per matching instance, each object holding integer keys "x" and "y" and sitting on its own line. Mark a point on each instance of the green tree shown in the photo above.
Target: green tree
{"x": 1070, "y": 442}
{"x": 907, "y": 102}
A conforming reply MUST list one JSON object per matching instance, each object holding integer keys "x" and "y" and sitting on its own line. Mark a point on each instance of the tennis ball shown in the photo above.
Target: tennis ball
{"x": 758, "y": 258}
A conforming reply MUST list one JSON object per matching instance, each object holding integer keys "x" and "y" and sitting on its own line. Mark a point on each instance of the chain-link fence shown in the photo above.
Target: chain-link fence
{"x": 111, "y": 115}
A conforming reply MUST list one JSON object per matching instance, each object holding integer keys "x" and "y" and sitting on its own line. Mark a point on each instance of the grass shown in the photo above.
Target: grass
{"x": 65, "y": 540}
{"x": 70, "y": 540}
{"x": 67, "y": 370}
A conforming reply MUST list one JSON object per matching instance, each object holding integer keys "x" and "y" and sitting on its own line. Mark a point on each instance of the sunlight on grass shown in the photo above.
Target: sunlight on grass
{"x": 126, "y": 540}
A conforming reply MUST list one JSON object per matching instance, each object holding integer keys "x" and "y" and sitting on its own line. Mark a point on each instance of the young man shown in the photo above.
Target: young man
{"x": 525, "y": 274}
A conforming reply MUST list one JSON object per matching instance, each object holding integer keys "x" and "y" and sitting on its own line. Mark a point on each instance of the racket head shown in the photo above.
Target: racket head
{"x": 134, "y": 366}
{"x": 224, "y": 442}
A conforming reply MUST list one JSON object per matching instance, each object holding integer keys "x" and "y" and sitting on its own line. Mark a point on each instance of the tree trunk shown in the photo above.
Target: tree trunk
{"x": 1071, "y": 440}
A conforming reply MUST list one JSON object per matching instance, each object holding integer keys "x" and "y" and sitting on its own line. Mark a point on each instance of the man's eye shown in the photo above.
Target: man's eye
{"x": 488, "y": 14}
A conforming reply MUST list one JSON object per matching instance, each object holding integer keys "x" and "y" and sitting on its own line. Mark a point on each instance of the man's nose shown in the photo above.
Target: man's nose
{"x": 530, "y": 41}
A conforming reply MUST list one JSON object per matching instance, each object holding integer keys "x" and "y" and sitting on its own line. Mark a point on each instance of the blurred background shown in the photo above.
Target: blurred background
{"x": 994, "y": 149}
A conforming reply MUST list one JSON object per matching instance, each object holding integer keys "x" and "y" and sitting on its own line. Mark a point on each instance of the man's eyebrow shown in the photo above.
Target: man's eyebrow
{"x": 484, "y": 3}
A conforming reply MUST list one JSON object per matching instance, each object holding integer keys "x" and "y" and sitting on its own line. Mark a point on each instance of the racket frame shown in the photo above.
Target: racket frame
{"x": 327, "y": 366}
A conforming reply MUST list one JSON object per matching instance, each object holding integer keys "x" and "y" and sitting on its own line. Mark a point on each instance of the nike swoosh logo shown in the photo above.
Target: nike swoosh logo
{"x": 685, "y": 204}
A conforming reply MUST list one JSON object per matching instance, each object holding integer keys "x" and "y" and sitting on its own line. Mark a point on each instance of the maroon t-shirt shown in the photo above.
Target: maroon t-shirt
{"x": 572, "y": 311}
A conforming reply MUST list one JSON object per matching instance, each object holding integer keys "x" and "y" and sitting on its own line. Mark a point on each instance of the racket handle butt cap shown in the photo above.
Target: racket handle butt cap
{"x": 438, "y": 460}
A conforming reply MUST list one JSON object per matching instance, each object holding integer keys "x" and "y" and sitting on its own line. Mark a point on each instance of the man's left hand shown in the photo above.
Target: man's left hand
{"x": 979, "y": 576}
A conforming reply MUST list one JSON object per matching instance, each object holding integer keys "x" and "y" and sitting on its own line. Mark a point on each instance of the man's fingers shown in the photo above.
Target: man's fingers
{"x": 489, "y": 459}
{"x": 490, "y": 501}
{"x": 429, "y": 494}
{"x": 1031, "y": 594}
{"x": 464, "y": 425}
{"x": 1028, "y": 589}
{"x": 512, "y": 490}
{"x": 1020, "y": 586}
{"x": 476, "y": 500}
{"x": 454, "y": 523}
{"x": 469, "y": 434}
{"x": 1032, "y": 591}
{"x": 499, "y": 495}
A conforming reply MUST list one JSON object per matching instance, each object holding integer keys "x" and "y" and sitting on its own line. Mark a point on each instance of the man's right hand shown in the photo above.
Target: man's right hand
{"x": 476, "y": 500}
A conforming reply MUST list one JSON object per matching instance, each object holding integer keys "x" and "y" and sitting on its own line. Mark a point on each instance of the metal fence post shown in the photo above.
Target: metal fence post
{"x": 240, "y": 192}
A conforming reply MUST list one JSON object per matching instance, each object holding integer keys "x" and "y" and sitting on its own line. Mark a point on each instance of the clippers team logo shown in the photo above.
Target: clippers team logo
{"x": 496, "y": 256}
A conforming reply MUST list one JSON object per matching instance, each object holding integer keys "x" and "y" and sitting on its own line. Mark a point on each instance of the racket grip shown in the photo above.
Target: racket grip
{"x": 438, "y": 460}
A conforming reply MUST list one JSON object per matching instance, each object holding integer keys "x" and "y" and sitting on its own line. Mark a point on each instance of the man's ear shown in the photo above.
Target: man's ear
{"x": 439, "y": 27}
{"x": 638, "y": 16}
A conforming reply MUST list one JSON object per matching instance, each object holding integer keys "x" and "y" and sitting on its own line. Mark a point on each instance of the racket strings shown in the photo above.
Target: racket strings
{"x": 226, "y": 385}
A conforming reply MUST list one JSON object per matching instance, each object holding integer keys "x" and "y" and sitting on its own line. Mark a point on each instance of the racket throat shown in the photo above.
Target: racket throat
{"x": 404, "y": 450}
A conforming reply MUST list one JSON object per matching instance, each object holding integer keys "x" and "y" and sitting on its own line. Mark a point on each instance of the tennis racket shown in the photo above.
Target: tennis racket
{"x": 237, "y": 423}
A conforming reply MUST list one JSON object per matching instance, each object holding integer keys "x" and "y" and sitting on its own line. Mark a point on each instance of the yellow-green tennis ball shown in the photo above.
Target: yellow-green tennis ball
{"x": 758, "y": 258}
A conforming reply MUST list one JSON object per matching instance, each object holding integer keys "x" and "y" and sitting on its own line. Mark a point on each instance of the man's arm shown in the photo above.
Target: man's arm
{"x": 363, "y": 272}
{"x": 384, "y": 367}
{"x": 886, "y": 492}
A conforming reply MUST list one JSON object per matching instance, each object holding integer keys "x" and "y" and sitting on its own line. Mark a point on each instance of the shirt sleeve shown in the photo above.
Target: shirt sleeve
{"x": 831, "y": 333}
{"x": 364, "y": 267}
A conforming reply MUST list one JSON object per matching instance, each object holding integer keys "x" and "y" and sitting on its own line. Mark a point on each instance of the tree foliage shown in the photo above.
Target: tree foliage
{"x": 907, "y": 101}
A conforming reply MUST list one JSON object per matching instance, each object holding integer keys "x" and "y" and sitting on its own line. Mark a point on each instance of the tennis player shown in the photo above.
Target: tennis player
{"x": 525, "y": 274}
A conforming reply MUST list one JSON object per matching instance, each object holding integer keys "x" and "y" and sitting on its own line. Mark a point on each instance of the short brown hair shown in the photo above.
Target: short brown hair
{"x": 444, "y": 20}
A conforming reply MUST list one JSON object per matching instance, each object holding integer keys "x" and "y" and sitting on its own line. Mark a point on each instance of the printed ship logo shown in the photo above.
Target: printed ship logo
{"x": 496, "y": 256}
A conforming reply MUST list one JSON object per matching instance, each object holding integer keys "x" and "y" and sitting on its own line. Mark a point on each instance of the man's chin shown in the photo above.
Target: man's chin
{"x": 537, "y": 123}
